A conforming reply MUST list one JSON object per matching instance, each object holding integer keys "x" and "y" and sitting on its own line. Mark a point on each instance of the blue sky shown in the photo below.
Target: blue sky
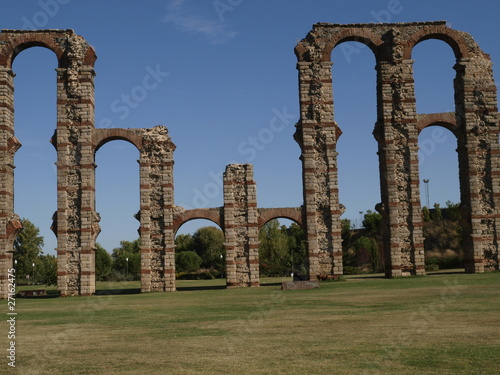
{"x": 225, "y": 84}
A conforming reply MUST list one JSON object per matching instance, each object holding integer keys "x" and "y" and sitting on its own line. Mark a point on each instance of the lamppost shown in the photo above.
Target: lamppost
{"x": 222, "y": 263}
{"x": 33, "y": 264}
{"x": 126, "y": 267}
{"x": 426, "y": 182}
{"x": 360, "y": 219}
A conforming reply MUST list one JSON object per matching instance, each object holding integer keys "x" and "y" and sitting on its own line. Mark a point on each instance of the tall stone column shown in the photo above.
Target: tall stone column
{"x": 156, "y": 213}
{"x": 479, "y": 161}
{"x": 317, "y": 136}
{"x": 241, "y": 228}
{"x": 75, "y": 222}
{"x": 397, "y": 136}
{"x": 10, "y": 224}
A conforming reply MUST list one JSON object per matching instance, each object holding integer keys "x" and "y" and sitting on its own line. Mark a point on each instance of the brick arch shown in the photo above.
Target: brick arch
{"x": 15, "y": 46}
{"x": 103, "y": 136}
{"x": 363, "y": 36}
{"x": 211, "y": 214}
{"x": 291, "y": 213}
{"x": 446, "y": 120}
{"x": 25, "y": 40}
{"x": 453, "y": 38}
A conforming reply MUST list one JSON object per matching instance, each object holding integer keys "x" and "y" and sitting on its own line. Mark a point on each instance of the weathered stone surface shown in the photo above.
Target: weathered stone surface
{"x": 474, "y": 123}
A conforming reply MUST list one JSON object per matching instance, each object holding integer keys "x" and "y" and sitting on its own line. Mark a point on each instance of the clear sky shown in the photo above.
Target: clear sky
{"x": 224, "y": 71}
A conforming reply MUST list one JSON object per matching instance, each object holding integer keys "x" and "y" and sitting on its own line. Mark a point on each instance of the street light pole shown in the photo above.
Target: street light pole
{"x": 33, "y": 282}
{"x": 426, "y": 182}
{"x": 127, "y": 266}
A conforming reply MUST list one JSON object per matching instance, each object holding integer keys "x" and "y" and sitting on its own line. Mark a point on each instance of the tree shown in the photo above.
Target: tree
{"x": 128, "y": 250}
{"x": 103, "y": 264}
{"x": 208, "y": 243}
{"x": 274, "y": 251}
{"x": 371, "y": 222}
{"x": 297, "y": 247}
{"x": 28, "y": 248}
{"x": 453, "y": 211}
{"x": 369, "y": 245}
{"x": 443, "y": 237}
{"x": 345, "y": 233}
{"x": 183, "y": 242}
{"x": 426, "y": 214}
{"x": 187, "y": 261}
{"x": 437, "y": 214}
{"x": 47, "y": 273}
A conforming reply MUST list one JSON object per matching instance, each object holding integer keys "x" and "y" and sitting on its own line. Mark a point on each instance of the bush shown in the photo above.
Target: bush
{"x": 448, "y": 259}
{"x": 103, "y": 264}
{"x": 350, "y": 270}
{"x": 187, "y": 261}
{"x": 451, "y": 261}
{"x": 431, "y": 267}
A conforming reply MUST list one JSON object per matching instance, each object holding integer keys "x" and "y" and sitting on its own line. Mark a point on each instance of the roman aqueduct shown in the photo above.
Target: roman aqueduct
{"x": 475, "y": 123}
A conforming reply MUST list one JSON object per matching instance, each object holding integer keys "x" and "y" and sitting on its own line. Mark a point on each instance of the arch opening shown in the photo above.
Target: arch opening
{"x": 440, "y": 198}
{"x": 450, "y": 37}
{"x": 282, "y": 251}
{"x": 200, "y": 252}
{"x": 117, "y": 202}
{"x": 433, "y": 76}
{"x": 35, "y": 176}
{"x": 354, "y": 82}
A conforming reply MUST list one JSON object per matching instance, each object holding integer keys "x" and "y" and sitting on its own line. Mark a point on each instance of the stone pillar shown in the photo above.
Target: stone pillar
{"x": 397, "y": 136}
{"x": 10, "y": 224}
{"x": 479, "y": 163}
{"x": 144, "y": 218}
{"x": 317, "y": 136}
{"x": 156, "y": 213}
{"x": 241, "y": 228}
{"x": 75, "y": 222}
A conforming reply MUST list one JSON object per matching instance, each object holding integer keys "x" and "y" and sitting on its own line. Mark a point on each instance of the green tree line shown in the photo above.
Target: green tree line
{"x": 31, "y": 265}
{"x": 363, "y": 248}
{"x": 282, "y": 250}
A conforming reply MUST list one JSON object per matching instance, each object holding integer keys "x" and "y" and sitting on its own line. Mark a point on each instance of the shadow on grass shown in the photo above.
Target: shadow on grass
{"x": 49, "y": 294}
{"x": 201, "y": 287}
{"x": 272, "y": 284}
{"x": 365, "y": 276}
{"x": 447, "y": 272}
{"x": 107, "y": 292}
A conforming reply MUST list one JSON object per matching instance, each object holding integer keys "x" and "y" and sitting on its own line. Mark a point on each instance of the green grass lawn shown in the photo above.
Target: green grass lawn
{"x": 446, "y": 323}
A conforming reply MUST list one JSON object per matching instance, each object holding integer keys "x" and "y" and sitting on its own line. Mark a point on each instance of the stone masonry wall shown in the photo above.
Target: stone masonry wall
{"x": 76, "y": 223}
{"x": 241, "y": 226}
{"x": 396, "y": 132}
{"x": 74, "y": 220}
{"x": 156, "y": 213}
